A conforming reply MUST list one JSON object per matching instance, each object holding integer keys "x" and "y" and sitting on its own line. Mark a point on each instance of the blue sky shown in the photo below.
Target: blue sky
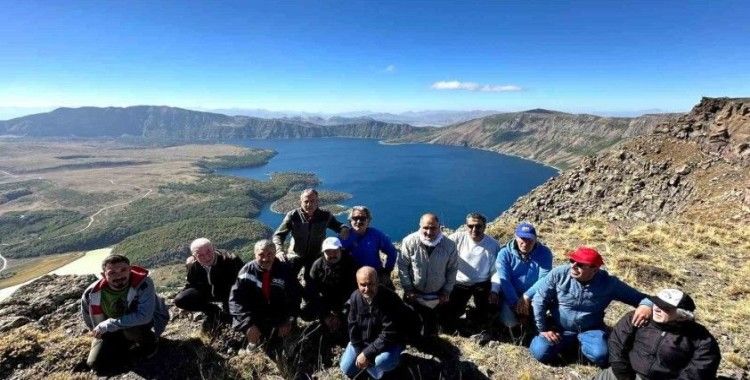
{"x": 393, "y": 56}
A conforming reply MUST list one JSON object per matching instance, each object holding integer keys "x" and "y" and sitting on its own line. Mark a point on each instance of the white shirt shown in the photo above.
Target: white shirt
{"x": 476, "y": 261}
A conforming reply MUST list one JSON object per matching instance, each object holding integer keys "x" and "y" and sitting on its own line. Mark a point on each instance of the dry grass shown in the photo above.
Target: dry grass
{"x": 31, "y": 269}
{"x": 711, "y": 261}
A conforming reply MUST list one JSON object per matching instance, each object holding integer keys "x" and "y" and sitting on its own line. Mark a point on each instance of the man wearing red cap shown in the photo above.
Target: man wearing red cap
{"x": 576, "y": 295}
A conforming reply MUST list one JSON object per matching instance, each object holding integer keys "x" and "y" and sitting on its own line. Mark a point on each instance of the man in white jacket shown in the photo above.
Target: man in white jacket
{"x": 427, "y": 268}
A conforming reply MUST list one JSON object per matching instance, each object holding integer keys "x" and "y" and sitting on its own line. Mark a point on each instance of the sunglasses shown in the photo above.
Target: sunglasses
{"x": 473, "y": 226}
{"x": 576, "y": 264}
{"x": 358, "y": 219}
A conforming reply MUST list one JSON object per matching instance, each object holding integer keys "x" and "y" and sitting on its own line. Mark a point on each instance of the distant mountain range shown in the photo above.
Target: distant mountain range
{"x": 552, "y": 137}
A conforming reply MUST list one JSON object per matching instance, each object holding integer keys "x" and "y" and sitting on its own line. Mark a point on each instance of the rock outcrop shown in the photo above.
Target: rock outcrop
{"x": 695, "y": 166}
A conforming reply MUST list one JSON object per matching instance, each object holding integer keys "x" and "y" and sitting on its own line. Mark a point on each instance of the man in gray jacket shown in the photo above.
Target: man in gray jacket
{"x": 427, "y": 268}
{"x": 121, "y": 309}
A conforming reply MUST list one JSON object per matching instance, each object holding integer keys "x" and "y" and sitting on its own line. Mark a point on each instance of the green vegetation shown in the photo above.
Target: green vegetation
{"x": 214, "y": 197}
{"x": 170, "y": 243}
{"x": 256, "y": 157}
{"x": 328, "y": 200}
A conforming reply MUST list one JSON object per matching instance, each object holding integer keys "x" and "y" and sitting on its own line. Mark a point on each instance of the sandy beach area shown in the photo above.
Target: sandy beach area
{"x": 90, "y": 263}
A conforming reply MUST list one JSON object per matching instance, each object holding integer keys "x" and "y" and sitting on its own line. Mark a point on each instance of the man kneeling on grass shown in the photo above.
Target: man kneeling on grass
{"x": 265, "y": 300}
{"x": 123, "y": 313}
{"x": 378, "y": 323}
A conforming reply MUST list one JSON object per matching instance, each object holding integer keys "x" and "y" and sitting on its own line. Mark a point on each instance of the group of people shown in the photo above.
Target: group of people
{"x": 348, "y": 290}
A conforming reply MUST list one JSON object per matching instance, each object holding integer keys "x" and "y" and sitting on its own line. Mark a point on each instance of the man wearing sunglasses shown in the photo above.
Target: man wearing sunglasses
{"x": 365, "y": 243}
{"x": 476, "y": 266}
{"x": 576, "y": 295}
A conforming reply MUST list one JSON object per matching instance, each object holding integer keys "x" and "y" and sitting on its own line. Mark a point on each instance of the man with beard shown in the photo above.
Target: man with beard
{"x": 264, "y": 301}
{"x": 332, "y": 282}
{"x": 427, "y": 268}
{"x": 123, "y": 313}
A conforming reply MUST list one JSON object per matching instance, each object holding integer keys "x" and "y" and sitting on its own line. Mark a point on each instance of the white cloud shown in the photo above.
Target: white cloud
{"x": 471, "y": 86}
{"x": 390, "y": 69}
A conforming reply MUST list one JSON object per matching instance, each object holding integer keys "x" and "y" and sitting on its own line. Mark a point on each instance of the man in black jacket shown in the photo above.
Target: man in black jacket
{"x": 376, "y": 327}
{"x": 332, "y": 283}
{"x": 671, "y": 346}
{"x": 307, "y": 225}
{"x": 265, "y": 300}
{"x": 210, "y": 276}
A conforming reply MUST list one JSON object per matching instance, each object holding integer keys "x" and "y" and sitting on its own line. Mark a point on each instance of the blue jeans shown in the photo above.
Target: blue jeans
{"x": 593, "y": 346}
{"x": 508, "y": 316}
{"x": 384, "y": 362}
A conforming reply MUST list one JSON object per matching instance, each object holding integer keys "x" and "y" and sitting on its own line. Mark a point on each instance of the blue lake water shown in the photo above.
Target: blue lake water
{"x": 401, "y": 182}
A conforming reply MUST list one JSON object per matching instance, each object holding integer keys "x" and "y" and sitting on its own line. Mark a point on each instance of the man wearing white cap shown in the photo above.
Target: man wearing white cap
{"x": 332, "y": 281}
{"x": 671, "y": 346}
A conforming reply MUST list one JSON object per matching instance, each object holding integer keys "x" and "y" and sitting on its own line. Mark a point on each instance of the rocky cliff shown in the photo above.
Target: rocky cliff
{"x": 694, "y": 166}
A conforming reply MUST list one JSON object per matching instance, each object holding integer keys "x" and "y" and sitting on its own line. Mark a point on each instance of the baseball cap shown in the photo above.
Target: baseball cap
{"x": 587, "y": 255}
{"x": 526, "y": 230}
{"x": 331, "y": 243}
{"x": 670, "y": 299}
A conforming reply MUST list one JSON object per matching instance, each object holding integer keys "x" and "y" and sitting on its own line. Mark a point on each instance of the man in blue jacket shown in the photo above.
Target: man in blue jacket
{"x": 576, "y": 296}
{"x": 519, "y": 266}
{"x": 365, "y": 243}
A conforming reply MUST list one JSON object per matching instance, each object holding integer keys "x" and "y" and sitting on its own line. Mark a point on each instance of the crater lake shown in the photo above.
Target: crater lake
{"x": 401, "y": 182}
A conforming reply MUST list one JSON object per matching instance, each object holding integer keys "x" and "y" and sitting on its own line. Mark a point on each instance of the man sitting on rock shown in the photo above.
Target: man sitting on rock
{"x": 671, "y": 346}
{"x": 332, "y": 282}
{"x": 210, "y": 276}
{"x": 377, "y": 328}
{"x": 427, "y": 268}
{"x": 265, "y": 300}
{"x": 123, "y": 313}
{"x": 576, "y": 295}
{"x": 476, "y": 266}
{"x": 520, "y": 265}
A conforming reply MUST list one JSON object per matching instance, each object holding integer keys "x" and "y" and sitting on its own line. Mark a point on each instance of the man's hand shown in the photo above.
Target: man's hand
{"x": 552, "y": 336}
{"x": 641, "y": 316}
{"x": 281, "y": 256}
{"x": 493, "y": 299}
{"x": 344, "y": 233}
{"x": 523, "y": 306}
{"x": 410, "y": 296}
{"x": 362, "y": 361}
{"x": 253, "y": 334}
{"x": 332, "y": 322}
{"x": 443, "y": 298}
{"x": 284, "y": 329}
{"x": 96, "y": 332}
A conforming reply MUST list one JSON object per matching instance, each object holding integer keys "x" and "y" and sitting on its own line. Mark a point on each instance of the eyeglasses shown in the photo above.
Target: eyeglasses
{"x": 473, "y": 226}
{"x": 358, "y": 219}
{"x": 576, "y": 264}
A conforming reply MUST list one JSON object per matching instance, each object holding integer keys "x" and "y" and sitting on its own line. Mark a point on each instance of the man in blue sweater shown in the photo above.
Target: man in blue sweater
{"x": 365, "y": 243}
{"x": 576, "y": 296}
{"x": 519, "y": 266}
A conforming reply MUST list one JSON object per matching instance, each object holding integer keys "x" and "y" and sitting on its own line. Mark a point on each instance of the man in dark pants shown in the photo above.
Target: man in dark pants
{"x": 121, "y": 309}
{"x": 476, "y": 266}
{"x": 377, "y": 328}
{"x": 307, "y": 226}
{"x": 332, "y": 282}
{"x": 210, "y": 276}
{"x": 265, "y": 300}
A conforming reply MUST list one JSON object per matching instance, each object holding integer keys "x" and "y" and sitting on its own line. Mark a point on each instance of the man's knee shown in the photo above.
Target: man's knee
{"x": 597, "y": 354}
{"x": 348, "y": 362}
{"x": 188, "y": 299}
{"x": 541, "y": 349}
